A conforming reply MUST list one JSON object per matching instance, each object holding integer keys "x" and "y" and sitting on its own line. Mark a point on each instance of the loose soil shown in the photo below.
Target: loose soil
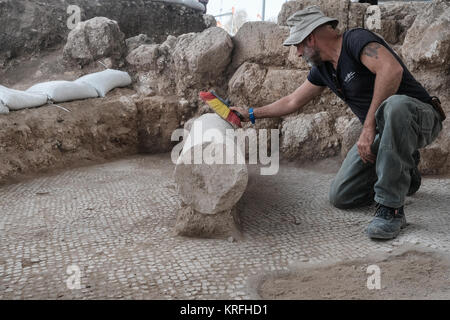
{"x": 411, "y": 275}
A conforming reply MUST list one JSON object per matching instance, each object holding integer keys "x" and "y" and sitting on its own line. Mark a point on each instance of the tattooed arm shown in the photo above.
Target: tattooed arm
{"x": 380, "y": 61}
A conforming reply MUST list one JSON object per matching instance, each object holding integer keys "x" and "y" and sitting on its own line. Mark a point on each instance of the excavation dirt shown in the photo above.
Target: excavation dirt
{"x": 411, "y": 275}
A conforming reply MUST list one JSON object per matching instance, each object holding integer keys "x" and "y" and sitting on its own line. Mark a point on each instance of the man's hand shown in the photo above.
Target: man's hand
{"x": 364, "y": 145}
{"x": 243, "y": 112}
{"x": 389, "y": 72}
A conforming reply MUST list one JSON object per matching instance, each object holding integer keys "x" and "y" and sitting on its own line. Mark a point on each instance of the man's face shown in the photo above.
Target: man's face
{"x": 310, "y": 54}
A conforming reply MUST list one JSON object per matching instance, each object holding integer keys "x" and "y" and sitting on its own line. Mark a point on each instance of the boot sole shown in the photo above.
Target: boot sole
{"x": 386, "y": 235}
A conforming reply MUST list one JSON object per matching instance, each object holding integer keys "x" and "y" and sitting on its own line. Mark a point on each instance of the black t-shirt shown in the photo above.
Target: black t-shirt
{"x": 353, "y": 82}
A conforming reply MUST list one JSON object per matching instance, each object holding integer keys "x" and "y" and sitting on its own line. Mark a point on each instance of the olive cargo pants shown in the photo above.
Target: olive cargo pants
{"x": 404, "y": 124}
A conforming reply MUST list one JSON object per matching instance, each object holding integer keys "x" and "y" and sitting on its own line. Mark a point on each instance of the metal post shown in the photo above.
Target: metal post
{"x": 264, "y": 10}
{"x": 232, "y": 23}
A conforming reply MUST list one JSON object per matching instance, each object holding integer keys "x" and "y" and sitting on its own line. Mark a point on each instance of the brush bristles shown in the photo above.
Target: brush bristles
{"x": 220, "y": 108}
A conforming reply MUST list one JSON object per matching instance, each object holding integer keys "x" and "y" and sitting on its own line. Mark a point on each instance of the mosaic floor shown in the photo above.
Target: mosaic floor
{"x": 106, "y": 232}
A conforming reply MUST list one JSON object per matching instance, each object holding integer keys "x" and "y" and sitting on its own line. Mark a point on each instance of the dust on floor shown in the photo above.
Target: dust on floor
{"x": 410, "y": 275}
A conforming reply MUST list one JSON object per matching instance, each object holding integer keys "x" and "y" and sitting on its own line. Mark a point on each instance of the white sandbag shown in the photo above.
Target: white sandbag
{"x": 3, "y": 109}
{"x": 62, "y": 91}
{"x": 17, "y": 100}
{"x": 106, "y": 80}
{"x": 194, "y": 4}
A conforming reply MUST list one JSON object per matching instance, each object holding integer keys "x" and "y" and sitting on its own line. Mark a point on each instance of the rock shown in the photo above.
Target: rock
{"x": 231, "y": 239}
{"x": 254, "y": 85}
{"x": 182, "y": 66}
{"x": 134, "y": 42}
{"x": 402, "y": 13}
{"x": 288, "y": 9}
{"x": 389, "y": 31}
{"x": 157, "y": 118}
{"x": 208, "y": 189}
{"x": 392, "y": 21}
{"x": 21, "y": 21}
{"x": 151, "y": 67}
{"x": 396, "y": 17}
{"x": 260, "y": 42}
{"x": 341, "y": 125}
{"x": 280, "y": 83}
{"x": 356, "y": 14}
{"x": 209, "y": 20}
{"x": 332, "y": 8}
{"x": 29, "y": 27}
{"x": 309, "y": 137}
{"x": 267, "y": 125}
{"x": 145, "y": 58}
{"x": 93, "y": 40}
{"x": 349, "y": 133}
{"x": 206, "y": 53}
{"x": 223, "y": 225}
{"x": 434, "y": 159}
{"x": 245, "y": 86}
{"x": 328, "y": 102}
{"x": 204, "y": 181}
{"x": 427, "y": 42}
{"x": 200, "y": 60}
{"x": 156, "y": 19}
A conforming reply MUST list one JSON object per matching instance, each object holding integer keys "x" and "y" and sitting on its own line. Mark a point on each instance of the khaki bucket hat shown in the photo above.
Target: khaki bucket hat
{"x": 303, "y": 22}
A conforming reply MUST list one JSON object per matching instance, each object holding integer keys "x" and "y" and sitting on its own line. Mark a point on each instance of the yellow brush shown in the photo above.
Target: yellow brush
{"x": 221, "y": 107}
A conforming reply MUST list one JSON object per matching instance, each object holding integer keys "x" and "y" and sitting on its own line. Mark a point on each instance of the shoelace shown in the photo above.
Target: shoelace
{"x": 385, "y": 212}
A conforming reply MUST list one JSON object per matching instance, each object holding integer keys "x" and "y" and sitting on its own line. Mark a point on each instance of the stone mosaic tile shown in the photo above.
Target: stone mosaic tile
{"x": 114, "y": 222}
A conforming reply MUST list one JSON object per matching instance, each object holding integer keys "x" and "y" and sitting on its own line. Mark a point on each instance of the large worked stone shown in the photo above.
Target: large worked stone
{"x": 398, "y": 17}
{"x": 356, "y": 14}
{"x": 435, "y": 157}
{"x": 309, "y": 137}
{"x": 427, "y": 42}
{"x": 349, "y": 130}
{"x": 136, "y": 41}
{"x": 254, "y": 85}
{"x": 332, "y": 8}
{"x": 182, "y": 66}
{"x": 209, "y": 187}
{"x": 260, "y": 42}
{"x": 280, "y": 83}
{"x": 200, "y": 59}
{"x": 94, "y": 39}
{"x": 150, "y": 65}
{"x": 245, "y": 85}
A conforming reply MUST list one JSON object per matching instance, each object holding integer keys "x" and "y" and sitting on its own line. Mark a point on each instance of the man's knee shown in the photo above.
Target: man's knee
{"x": 342, "y": 198}
{"x": 336, "y": 197}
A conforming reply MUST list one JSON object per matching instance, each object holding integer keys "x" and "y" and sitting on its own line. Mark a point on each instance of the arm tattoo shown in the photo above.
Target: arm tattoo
{"x": 371, "y": 50}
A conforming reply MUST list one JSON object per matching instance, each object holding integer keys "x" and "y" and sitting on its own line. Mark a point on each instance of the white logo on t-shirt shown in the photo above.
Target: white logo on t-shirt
{"x": 349, "y": 76}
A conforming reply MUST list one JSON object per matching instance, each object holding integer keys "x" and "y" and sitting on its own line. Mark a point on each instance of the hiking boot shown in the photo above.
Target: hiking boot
{"x": 387, "y": 223}
{"x": 416, "y": 178}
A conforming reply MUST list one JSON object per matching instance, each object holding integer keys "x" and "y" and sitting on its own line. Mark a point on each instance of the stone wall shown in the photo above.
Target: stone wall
{"x": 263, "y": 71}
{"x": 32, "y": 26}
{"x": 253, "y": 69}
{"x": 48, "y": 138}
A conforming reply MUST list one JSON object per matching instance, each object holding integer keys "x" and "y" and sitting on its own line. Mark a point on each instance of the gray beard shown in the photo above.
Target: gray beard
{"x": 310, "y": 63}
{"x": 314, "y": 60}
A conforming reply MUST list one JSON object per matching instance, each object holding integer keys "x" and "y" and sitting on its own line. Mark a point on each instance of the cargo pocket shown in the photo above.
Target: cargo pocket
{"x": 429, "y": 125}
